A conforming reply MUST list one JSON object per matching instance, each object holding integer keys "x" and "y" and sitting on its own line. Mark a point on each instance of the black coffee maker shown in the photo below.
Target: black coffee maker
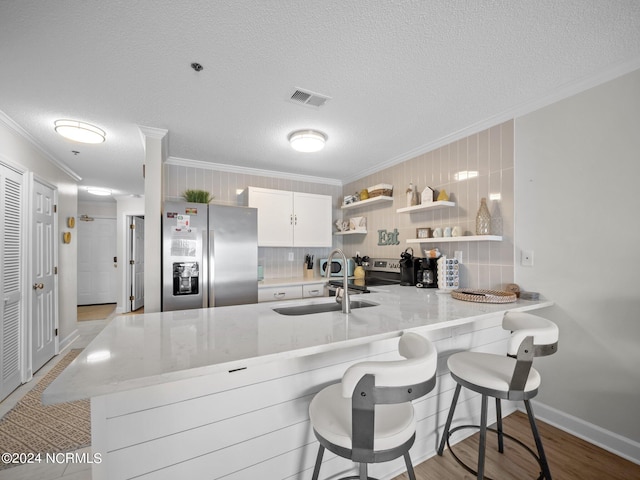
{"x": 409, "y": 266}
{"x": 427, "y": 273}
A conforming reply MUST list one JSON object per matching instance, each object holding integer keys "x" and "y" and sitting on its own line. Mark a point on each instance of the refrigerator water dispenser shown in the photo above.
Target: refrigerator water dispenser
{"x": 185, "y": 278}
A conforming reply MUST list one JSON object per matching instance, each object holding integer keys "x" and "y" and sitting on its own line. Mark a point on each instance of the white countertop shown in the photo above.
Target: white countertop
{"x": 134, "y": 351}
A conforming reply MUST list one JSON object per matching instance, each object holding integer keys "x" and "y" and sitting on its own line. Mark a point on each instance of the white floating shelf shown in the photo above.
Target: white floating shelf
{"x": 351, "y": 232}
{"x": 426, "y": 206}
{"x": 469, "y": 238}
{"x": 368, "y": 201}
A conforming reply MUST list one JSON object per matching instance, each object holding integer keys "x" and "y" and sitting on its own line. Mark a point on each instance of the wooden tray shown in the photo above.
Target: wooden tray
{"x": 484, "y": 296}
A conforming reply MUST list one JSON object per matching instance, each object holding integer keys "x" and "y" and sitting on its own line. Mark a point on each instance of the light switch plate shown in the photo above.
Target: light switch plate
{"x": 526, "y": 259}
{"x": 291, "y": 256}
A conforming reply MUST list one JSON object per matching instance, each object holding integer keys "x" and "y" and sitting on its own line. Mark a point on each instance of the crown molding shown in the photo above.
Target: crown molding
{"x": 184, "y": 162}
{"x": 12, "y": 125}
{"x": 560, "y": 93}
{"x": 153, "y": 132}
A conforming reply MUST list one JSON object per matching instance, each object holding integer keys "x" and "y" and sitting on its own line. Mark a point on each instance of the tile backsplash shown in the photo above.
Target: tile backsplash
{"x": 490, "y": 154}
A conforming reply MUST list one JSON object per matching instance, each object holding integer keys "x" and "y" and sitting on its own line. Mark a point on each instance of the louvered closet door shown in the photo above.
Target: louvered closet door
{"x": 11, "y": 211}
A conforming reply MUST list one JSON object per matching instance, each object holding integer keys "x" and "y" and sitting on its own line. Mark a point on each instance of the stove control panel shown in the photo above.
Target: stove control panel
{"x": 384, "y": 265}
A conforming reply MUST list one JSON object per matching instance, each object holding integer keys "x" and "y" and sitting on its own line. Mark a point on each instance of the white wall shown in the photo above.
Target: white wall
{"x": 97, "y": 209}
{"x": 577, "y": 207}
{"x": 16, "y": 149}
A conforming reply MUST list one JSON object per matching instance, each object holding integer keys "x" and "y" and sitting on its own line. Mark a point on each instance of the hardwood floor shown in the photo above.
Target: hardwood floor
{"x": 569, "y": 457}
{"x": 99, "y": 312}
{"x": 95, "y": 312}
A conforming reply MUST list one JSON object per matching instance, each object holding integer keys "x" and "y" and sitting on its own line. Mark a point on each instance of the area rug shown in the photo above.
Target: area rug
{"x": 31, "y": 427}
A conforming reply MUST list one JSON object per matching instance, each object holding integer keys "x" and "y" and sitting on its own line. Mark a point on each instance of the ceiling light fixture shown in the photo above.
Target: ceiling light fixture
{"x": 307, "y": 140}
{"x": 103, "y": 192}
{"x": 80, "y": 131}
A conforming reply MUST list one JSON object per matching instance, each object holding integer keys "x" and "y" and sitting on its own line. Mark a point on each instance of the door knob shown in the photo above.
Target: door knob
{"x": 38, "y": 286}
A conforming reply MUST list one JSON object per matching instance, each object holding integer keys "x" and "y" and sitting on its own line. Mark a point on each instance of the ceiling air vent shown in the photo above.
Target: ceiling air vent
{"x": 306, "y": 97}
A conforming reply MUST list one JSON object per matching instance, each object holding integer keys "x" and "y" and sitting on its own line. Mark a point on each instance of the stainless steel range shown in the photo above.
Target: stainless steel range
{"x": 378, "y": 271}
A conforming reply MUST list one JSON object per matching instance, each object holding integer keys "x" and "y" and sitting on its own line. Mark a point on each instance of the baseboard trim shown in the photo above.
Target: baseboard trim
{"x": 68, "y": 340}
{"x": 610, "y": 441}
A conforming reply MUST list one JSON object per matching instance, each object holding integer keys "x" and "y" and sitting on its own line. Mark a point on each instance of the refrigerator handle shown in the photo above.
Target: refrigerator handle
{"x": 205, "y": 271}
{"x": 210, "y": 291}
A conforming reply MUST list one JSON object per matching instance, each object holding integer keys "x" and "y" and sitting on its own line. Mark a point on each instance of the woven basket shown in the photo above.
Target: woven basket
{"x": 382, "y": 192}
{"x": 484, "y": 296}
{"x": 385, "y": 189}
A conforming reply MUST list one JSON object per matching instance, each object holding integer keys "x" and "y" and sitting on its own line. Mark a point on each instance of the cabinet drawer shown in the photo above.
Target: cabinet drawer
{"x": 313, "y": 290}
{"x": 271, "y": 294}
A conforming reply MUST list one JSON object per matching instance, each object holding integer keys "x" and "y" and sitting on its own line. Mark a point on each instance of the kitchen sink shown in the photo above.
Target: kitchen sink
{"x": 321, "y": 307}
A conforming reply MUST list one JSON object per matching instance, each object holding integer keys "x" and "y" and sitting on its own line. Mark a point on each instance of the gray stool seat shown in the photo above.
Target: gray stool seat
{"x": 368, "y": 417}
{"x": 509, "y": 377}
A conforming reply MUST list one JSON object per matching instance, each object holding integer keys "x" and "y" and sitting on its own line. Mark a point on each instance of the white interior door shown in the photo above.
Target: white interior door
{"x": 137, "y": 263}
{"x": 43, "y": 299}
{"x": 97, "y": 266}
{"x": 11, "y": 213}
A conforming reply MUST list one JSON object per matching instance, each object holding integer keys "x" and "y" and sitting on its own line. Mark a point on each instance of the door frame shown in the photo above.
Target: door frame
{"x": 129, "y": 259}
{"x": 56, "y": 245}
{"x": 127, "y": 244}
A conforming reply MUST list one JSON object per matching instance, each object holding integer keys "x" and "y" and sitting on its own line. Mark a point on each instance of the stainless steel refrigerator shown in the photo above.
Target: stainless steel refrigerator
{"x": 209, "y": 255}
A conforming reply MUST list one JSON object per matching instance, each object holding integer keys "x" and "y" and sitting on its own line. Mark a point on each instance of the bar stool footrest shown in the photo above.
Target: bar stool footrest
{"x": 505, "y": 435}
{"x": 356, "y": 477}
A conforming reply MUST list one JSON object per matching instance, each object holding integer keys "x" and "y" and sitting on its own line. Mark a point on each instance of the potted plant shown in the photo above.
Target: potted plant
{"x": 197, "y": 196}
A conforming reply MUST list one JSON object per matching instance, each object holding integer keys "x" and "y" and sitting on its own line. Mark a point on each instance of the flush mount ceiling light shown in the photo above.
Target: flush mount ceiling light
{"x": 307, "y": 140}
{"x": 103, "y": 192}
{"x": 79, "y": 131}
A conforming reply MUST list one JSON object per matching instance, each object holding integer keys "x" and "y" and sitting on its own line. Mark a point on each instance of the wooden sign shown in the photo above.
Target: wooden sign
{"x": 388, "y": 238}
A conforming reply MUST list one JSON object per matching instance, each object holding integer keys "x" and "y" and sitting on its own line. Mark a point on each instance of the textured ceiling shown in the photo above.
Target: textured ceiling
{"x": 401, "y": 75}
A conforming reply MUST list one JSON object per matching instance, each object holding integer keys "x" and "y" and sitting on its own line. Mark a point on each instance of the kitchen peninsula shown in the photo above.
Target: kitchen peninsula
{"x": 225, "y": 391}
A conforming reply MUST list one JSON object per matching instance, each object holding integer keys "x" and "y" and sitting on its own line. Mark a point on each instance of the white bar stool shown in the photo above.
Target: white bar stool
{"x": 510, "y": 377}
{"x": 369, "y": 417}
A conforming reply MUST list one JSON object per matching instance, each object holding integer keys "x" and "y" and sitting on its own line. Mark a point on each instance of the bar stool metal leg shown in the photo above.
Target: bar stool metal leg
{"x": 363, "y": 471}
{"x": 452, "y": 409}
{"x": 410, "y": 472}
{"x": 536, "y": 436}
{"x": 483, "y": 437}
{"x": 316, "y": 469}
{"x": 499, "y": 425}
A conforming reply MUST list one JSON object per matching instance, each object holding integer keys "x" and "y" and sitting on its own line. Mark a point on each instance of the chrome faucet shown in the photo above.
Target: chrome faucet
{"x": 344, "y": 295}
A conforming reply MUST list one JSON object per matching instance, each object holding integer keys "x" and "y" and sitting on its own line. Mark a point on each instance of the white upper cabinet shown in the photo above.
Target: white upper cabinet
{"x": 275, "y": 216}
{"x": 291, "y": 219}
{"x": 312, "y": 220}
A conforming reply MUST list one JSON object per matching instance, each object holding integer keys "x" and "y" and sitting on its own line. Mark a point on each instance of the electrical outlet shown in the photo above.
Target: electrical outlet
{"x": 291, "y": 256}
{"x": 526, "y": 259}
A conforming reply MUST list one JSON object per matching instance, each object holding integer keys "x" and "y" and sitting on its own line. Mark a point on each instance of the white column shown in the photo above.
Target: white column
{"x": 154, "y": 141}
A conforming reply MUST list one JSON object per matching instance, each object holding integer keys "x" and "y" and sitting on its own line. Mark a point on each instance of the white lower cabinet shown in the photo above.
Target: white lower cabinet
{"x": 272, "y": 294}
{"x": 291, "y": 219}
{"x": 313, "y": 290}
{"x": 290, "y": 292}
